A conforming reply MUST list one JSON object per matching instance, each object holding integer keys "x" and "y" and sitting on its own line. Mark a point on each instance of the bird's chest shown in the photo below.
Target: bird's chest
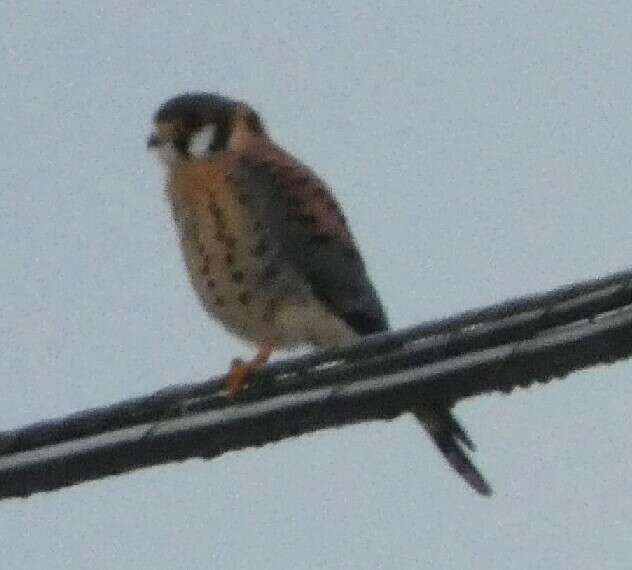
{"x": 232, "y": 262}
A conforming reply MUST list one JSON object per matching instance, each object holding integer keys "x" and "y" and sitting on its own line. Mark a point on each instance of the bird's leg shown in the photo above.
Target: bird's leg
{"x": 240, "y": 370}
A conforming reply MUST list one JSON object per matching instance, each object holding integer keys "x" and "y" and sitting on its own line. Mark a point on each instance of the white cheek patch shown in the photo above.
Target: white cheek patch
{"x": 200, "y": 142}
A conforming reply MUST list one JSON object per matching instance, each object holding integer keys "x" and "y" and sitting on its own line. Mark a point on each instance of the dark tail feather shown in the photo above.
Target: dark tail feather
{"x": 448, "y": 435}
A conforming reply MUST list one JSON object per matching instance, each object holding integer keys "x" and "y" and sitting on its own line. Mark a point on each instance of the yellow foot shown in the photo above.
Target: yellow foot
{"x": 240, "y": 370}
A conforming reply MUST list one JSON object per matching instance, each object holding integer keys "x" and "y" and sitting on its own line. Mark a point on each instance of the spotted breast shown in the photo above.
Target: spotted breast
{"x": 237, "y": 264}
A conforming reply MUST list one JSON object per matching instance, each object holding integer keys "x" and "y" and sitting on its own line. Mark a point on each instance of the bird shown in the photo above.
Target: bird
{"x": 268, "y": 249}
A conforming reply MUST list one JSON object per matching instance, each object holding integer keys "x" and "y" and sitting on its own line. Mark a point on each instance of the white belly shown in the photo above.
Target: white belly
{"x": 249, "y": 289}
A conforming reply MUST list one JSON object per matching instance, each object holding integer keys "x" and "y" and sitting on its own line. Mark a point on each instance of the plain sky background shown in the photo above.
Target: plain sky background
{"x": 481, "y": 150}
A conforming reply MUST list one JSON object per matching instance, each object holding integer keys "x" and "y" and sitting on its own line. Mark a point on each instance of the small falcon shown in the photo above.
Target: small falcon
{"x": 267, "y": 248}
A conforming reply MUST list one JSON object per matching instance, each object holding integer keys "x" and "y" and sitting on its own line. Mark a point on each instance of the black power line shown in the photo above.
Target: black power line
{"x": 515, "y": 343}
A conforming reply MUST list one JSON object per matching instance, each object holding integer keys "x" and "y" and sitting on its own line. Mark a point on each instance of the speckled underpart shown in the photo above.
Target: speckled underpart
{"x": 236, "y": 267}
{"x": 267, "y": 247}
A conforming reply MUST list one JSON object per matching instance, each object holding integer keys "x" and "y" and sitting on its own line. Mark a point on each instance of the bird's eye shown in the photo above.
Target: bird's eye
{"x": 201, "y": 142}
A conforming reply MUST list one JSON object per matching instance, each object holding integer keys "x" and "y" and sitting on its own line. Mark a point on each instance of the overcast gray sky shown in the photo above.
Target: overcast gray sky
{"x": 481, "y": 151}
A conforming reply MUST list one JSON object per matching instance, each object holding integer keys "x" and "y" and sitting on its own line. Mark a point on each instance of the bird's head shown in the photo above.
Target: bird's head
{"x": 198, "y": 126}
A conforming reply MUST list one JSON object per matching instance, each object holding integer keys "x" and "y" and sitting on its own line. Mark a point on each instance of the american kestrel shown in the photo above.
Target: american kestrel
{"x": 267, "y": 248}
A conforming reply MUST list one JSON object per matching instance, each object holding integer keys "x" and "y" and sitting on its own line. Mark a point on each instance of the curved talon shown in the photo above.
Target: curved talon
{"x": 238, "y": 377}
{"x": 240, "y": 370}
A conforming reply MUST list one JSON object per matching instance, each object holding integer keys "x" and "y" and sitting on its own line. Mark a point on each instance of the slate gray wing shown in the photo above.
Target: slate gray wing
{"x": 302, "y": 217}
{"x": 307, "y": 224}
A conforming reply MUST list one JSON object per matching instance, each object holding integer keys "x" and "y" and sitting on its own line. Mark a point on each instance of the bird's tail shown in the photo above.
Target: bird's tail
{"x": 450, "y": 437}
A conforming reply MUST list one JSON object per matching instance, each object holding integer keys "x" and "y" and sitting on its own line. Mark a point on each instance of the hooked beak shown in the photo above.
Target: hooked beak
{"x": 153, "y": 141}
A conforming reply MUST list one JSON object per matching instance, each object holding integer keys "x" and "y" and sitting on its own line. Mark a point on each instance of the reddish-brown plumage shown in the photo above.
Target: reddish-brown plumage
{"x": 267, "y": 247}
{"x": 310, "y": 195}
